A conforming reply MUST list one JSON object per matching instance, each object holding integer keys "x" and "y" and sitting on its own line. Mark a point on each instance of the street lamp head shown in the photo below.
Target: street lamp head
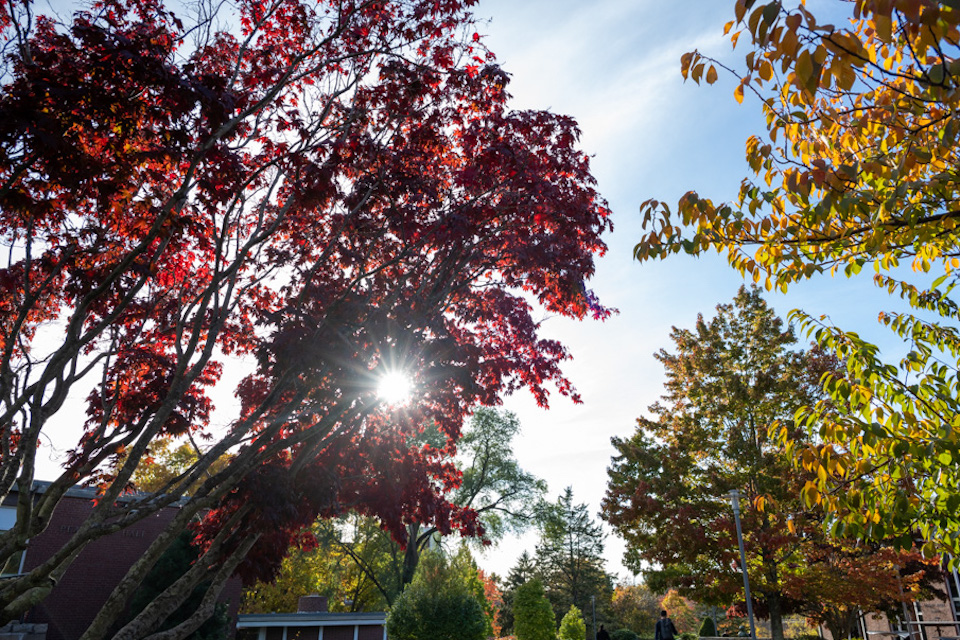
{"x": 735, "y": 500}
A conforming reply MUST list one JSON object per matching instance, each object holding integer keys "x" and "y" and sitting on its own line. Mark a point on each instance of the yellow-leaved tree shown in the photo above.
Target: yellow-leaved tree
{"x": 858, "y": 167}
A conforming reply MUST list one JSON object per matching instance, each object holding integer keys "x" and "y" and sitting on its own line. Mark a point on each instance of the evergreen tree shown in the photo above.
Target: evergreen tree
{"x": 533, "y": 616}
{"x": 708, "y": 629}
{"x": 570, "y": 558}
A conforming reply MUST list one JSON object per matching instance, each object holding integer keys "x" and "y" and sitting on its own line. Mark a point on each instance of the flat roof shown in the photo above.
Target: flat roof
{"x": 312, "y": 619}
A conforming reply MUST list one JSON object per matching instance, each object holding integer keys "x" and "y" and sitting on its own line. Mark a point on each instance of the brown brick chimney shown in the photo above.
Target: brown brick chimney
{"x": 312, "y": 604}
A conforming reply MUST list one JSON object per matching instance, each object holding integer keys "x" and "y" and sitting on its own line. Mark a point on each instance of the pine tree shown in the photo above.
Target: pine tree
{"x": 570, "y": 557}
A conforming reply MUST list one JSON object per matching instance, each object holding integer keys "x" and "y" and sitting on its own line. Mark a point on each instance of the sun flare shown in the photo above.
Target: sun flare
{"x": 394, "y": 388}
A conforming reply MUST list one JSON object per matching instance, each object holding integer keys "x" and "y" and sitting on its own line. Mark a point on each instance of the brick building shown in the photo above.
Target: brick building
{"x": 926, "y": 620}
{"x": 932, "y": 619}
{"x": 75, "y": 600}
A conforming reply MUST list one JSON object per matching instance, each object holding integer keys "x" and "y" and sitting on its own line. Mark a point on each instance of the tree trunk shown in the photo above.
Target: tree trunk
{"x": 842, "y": 623}
{"x": 411, "y": 556}
{"x": 776, "y": 616}
{"x": 208, "y": 604}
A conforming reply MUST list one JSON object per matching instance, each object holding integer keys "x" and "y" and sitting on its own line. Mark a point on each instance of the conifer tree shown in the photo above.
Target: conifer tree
{"x": 570, "y": 557}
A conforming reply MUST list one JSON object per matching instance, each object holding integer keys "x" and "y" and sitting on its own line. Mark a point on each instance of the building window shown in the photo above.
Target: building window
{"x": 14, "y": 564}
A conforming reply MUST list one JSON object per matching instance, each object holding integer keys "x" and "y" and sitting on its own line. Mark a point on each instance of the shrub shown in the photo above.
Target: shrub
{"x": 708, "y": 629}
{"x": 572, "y": 627}
{"x": 532, "y": 613}
{"x": 624, "y": 634}
{"x": 437, "y": 605}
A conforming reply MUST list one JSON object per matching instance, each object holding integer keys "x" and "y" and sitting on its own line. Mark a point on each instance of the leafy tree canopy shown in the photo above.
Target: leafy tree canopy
{"x": 322, "y": 193}
{"x": 492, "y": 485}
{"x": 365, "y": 566}
{"x": 732, "y": 382}
{"x": 858, "y": 167}
{"x": 635, "y": 607}
{"x": 349, "y": 560}
{"x": 441, "y": 603}
{"x": 681, "y": 610}
{"x": 166, "y": 460}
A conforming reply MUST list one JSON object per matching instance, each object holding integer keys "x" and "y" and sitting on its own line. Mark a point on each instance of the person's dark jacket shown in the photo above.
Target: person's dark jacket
{"x": 665, "y": 630}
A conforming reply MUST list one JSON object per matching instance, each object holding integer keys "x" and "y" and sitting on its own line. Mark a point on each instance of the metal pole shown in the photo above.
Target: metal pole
{"x": 593, "y": 605}
{"x": 735, "y": 500}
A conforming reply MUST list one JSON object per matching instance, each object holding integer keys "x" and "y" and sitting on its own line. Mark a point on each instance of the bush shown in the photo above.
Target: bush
{"x": 532, "y": 613}
{"x": 437, "y": 605}
{"x": 688, "y": 635}
{"x": 624, "y": 634}
{"x": 708, "y": 629}
{"x": 572, "y": 627}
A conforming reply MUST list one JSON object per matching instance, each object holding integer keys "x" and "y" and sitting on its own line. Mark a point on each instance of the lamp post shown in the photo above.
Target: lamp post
{"x": 593, "y": 605}
{"x": 735, "y": 501}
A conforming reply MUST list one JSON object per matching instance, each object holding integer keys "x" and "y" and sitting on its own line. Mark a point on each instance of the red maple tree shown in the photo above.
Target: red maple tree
{"x": 323, "y": 191}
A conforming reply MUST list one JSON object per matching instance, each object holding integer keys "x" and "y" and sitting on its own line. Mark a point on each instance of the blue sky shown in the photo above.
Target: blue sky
{"x": 615, "y": 67}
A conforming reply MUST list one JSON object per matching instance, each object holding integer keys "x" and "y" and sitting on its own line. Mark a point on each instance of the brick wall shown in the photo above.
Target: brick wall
{"x": 73, "y": 603}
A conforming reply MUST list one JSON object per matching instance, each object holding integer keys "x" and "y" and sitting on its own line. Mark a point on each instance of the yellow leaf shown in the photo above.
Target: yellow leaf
{"x": 738, "y": 93}
{"x": 697, "y": 72}
{"x": 883, "y": 26}
{"x": 804, "y": 68}
{"x": 766, "y": 70}
{"x": 711, "y": 75}
{"x": 685, "y": 61}
{"x": 740, "y": 9}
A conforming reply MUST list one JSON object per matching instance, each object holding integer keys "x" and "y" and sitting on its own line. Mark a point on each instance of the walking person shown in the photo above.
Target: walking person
{"x": 603, "y": 634}
{"x": 665, "y": 629}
